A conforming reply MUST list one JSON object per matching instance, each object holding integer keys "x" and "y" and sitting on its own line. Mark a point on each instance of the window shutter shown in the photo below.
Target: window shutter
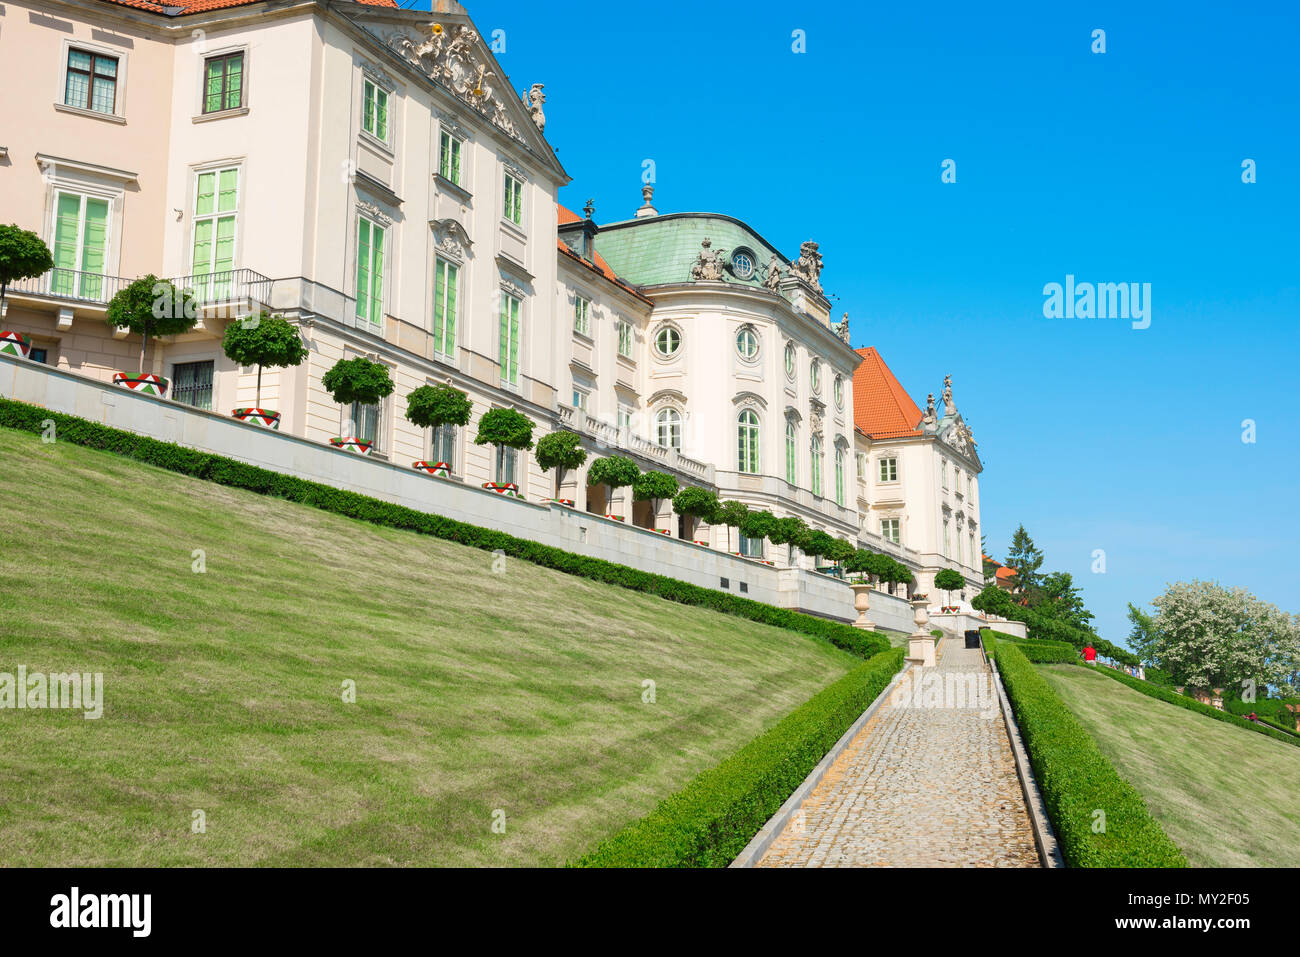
{"x": 363, "y": 267}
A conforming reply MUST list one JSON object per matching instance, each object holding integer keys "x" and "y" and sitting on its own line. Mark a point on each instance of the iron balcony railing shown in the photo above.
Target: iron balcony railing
{"x": 215, "y": 289}
{"x": 226, "y": 286}
{"x": 71, "y": 284}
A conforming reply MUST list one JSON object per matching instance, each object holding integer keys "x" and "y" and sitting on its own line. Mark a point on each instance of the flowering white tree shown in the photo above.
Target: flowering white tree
{"x": 1208, "y": 636}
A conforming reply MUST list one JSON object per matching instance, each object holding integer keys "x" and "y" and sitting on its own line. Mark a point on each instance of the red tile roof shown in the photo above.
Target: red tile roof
{"x": 600, "y": 265}
{"x": 882, "y": 408}
{"x": 201, "y": 6}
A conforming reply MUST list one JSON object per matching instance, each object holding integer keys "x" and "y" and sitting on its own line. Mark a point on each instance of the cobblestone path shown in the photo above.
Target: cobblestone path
{"x": 929, "y": 781}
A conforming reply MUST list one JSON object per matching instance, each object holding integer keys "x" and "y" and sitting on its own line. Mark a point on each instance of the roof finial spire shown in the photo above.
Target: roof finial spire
{"x": 647, "y": 193}
{"x": 590, "y": 208}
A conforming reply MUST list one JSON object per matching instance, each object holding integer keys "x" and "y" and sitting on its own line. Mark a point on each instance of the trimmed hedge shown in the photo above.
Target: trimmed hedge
{"x": 225, "y": 471}
{"x": 1076, "y": 779}
{"x": 709, "y": 822}
{"x": 1191, "y": 704}
{"x": 1049, "y": 652}
{"x": 1039, "y": 652}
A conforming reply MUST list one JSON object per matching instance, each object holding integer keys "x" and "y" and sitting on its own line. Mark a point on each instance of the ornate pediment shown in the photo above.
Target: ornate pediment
{"x": 451, "y": 238}
{"x": 452, "y": 56}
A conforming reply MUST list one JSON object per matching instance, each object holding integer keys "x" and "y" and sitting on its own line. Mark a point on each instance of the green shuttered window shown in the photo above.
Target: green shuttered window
{"x": 445, "y": 280}
{"x": 370, "y": 271}
{"x": 509, "y": 339}
{"x": 80, "y": 246}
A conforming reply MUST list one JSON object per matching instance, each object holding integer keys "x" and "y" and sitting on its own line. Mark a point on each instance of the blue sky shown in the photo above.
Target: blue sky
{"x": 1123, "y": 166}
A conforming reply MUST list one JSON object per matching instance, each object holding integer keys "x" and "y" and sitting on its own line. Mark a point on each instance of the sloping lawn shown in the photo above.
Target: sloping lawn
{"x": 512, "y": 694}
{"x": 1224, "y": 795}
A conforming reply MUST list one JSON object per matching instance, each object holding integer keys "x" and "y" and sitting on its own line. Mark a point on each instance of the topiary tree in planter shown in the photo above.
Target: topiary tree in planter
{"x": 432, "y": 407}
{"x": 654, "y": 487}
{"x": 731, "y": 514}
{"x": 613, "y": 472}
{"x": 150, "y": 307}
{"x": 859, "y": 564}
{"x": 948, "y": 581}
{"x": 840, "y": 550}
{"x": 819, "y": 543}
{"x": 758, "y": 524}
{"x": 23, "y": 255}
{"x": 361, "y": 381}
{"x": 561, "y": 451}
{"x": 696, "y": 503}
{"x": 504, "y": 429}
{"x": 789, "y": 530}
{"x": 263, "y": 340}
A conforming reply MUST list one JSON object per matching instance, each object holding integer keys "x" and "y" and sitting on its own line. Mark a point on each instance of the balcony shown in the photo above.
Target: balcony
{"x": 605, "y": 434}
{"x": 227, "y": 294}
{"x": 70, "y": 285}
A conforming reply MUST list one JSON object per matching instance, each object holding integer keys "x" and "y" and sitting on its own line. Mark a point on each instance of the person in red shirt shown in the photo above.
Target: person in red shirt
{"x": 1089, "y": 653}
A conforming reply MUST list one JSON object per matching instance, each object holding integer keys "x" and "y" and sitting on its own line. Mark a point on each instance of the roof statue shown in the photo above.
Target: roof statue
{"x": 535, "y": 100}
{"x": 841, "y": 329}
{"x": 709, "y": 264}
{"x": 808, "y": 266}
{"x": 772, "y": 280}
{"x": 948, "y": 407}
{"x": 930, "y": 418}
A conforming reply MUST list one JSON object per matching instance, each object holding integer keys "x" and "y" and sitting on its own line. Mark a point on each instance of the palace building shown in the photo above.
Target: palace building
{"x": 369, "y": 173}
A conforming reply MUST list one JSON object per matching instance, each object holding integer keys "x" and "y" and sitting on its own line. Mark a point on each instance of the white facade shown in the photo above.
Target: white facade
{"x": 367, "y": 172}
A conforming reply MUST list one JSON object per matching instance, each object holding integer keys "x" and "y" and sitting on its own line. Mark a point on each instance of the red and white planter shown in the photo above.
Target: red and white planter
{"x": 15, "y": 344}
{"x": 568, "y": 502}
{"x": 663, "y": 531}
{"x": 509, "y": 489}
{"x": 698, "y": 542}
{"x": 266, "y": 418}
{"x": 433, "y": 468}
{"x": 146, "y": 384}
{"x": 350, "y": 443}
{"x": 617, "y": 518}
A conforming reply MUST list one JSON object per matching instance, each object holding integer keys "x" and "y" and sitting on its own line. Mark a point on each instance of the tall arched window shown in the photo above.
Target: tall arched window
{"x": 668, "y": 429}
{"x": 747, "y": 442}
{"x": 816, "y": 465}
{"x": 791, "y": 453}
{"x": 839, "y": 476}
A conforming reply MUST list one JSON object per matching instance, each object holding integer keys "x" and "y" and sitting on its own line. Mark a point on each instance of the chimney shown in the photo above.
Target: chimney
{"x": 647, "y": 192}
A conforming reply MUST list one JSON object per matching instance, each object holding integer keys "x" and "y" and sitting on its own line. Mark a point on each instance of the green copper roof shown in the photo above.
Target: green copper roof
{"x": 662, "y": 249}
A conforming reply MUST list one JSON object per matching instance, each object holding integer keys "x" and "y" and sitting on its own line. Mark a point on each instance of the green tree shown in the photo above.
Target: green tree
{"x": 732, "y": 514}
{"x": 433, "y": 406}
{"x": 860, "y": 563}
{"x": 1026, "y": 558}
{"x": 151, "y": 307}
{"x": 696, "y": 503}
{"x": 357, "y": 380}
{"x": 994, "y": 601}
{"x": 654, "y": 487}
{"x": 23, "y": 255}
{"x": 561, "y": 451}
{"x": 1060, "y": 599}
{"x": 613, "y": 472}
{"x": 758, "y": 524}
{"x": 263, "y": 340}
{"x": 819, "y": 543}
{"x": 1143, "y": 635}
{"x": 948, "y": 581}
{"x": 840, "y": 551}
{"x": 789, "y": 530}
